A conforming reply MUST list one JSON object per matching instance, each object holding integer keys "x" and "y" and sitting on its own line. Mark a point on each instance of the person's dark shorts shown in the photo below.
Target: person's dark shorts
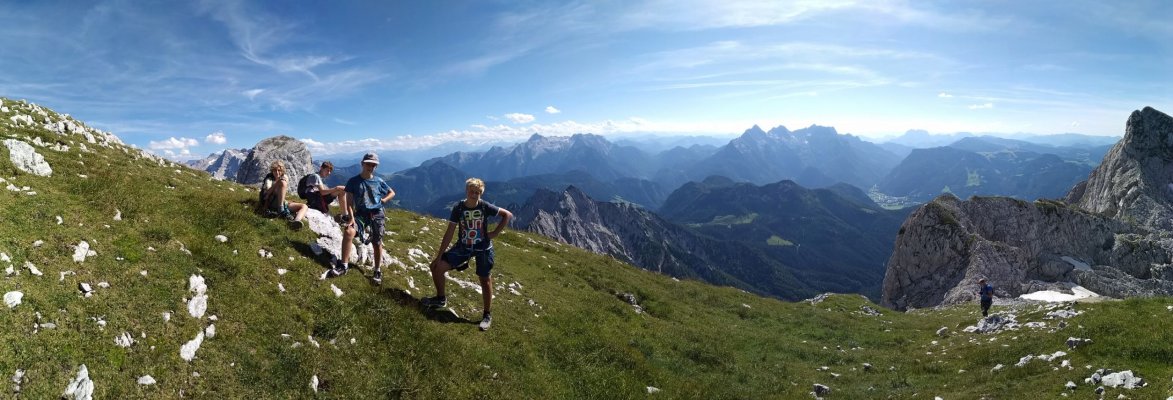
{"x": 986, "y": 303}
{"x": 321, "y": 203}
{"x": 458, "y": 258}
{"x": 373, "y": 221}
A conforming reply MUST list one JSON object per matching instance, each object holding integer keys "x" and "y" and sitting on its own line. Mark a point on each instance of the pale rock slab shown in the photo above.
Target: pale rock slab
{"x": 26, "y": 158}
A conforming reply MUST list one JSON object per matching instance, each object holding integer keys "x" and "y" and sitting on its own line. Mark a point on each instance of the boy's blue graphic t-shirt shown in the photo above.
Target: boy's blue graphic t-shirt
{"x": 367, "y": 193}
{"x": 474, "y": 224}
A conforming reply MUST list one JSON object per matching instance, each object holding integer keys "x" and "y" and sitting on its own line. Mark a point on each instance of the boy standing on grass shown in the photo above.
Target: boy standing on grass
{"x": 363, "y": 215}
{"x": 475, "y": 240}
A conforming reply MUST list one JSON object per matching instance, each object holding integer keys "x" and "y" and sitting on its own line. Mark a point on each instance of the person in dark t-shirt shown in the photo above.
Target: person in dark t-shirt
{"x": 987, "y": 296}
{"x": 473, "y": 240}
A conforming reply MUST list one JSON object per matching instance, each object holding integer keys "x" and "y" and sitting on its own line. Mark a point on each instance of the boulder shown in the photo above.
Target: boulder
{"x": 288, "y": 150}
{"x": 25, "y": 158}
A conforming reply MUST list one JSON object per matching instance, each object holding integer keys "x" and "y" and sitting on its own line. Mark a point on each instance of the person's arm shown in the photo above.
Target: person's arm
{"x": 505, "y": 217}
{"x": 447, "y": 239}
{"x": 390, "y": 194}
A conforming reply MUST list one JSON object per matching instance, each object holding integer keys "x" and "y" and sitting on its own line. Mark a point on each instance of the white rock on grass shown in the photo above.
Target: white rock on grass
{"x": 653, "y": 389}
{"x": 221, "y": 238}
{"x": 146, "y": 380}
{"x": 188, "y": 350}
{"x": 59, "y": 220}
{"x": 9, "y": 271}
{"x": 198, "y": 305}
{"x": 210, "y": 331}
{"x": 26, "y": 158}
{"x": 12, "y": 299}
{"x": 337, "y": 291}
{"x": 17, "y": 379}
{"x": 124, "y": 340}
{"x": 81, "y": 387}
{"x": 314, "y": 383}
{"x": 166, "y": 316}
{"x": 38, "y": 243}
{"x": 81, "y": 251}
{"x": 118, "y": 217}
{"x": 281, "y": 287}
{"x": 4, "y": 257}
{"x": 32, "y": 269}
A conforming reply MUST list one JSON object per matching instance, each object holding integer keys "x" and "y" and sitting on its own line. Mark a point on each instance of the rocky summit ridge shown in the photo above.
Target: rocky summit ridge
{"x": 1111, "y": 234}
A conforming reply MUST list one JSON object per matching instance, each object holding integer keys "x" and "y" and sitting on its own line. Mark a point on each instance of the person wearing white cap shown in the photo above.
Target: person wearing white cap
{"x": 365, "y": 193}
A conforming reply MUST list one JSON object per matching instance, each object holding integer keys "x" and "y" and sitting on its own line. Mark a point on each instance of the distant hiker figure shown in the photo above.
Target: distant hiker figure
{"x": 363, "y": 215}
{"x": 272, "y": 195}
{"x": 475, "y": 240}
{"x": 987, "y": 296}
{"x": 313, "y": 189}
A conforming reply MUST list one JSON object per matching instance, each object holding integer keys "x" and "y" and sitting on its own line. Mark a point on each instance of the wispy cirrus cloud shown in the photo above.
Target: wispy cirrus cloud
{"x": 983, "y": 106}
{"x": 552, "y": 110}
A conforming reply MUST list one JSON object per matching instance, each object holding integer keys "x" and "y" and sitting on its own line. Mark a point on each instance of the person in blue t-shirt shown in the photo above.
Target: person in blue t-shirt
{"x": 474, "y": 240}
{"x": 987, "y": 296}
{"x": 363, "y": 215}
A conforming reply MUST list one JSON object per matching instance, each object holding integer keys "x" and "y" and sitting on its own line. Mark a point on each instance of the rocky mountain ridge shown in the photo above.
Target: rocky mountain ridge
{"x": 222, "y": 165}
{"x": 1112, "y": 235}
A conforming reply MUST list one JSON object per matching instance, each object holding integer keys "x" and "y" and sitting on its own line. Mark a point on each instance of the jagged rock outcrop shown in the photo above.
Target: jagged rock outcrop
{"x": 1113, "y": 236}
{"x": 1134, "y": 183}
{"x": 291, "y": 151}
{"x": 223, "y": 165}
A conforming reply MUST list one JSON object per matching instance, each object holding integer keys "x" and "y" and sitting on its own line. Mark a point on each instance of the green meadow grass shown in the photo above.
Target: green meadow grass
{"x": 566, "y": 335}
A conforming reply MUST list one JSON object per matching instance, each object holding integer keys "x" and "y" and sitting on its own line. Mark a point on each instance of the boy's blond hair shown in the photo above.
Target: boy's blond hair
{"x": 277, "y": 165}
{"x": 475, "y": 182}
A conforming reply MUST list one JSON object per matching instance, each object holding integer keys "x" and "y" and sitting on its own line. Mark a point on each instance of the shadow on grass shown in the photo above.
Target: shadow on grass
{"x": 325, "y": 259}
{"x": 441, "y": 315}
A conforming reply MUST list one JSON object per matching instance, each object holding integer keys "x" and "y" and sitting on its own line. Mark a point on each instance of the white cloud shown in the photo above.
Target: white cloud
{"x": 519, "y": 118}
{"x": 252, "y": 94}
{"x": 552, "y": 110}
{"x": 944, "y": 95}
{"x": 173, "y": 144}
{"x": 505, "y": 133}
{"x": 981, "y": 106}
{"x": 216, "y": 138}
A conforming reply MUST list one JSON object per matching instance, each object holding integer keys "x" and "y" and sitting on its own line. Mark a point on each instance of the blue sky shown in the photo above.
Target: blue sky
{"x": 188, "y": 78}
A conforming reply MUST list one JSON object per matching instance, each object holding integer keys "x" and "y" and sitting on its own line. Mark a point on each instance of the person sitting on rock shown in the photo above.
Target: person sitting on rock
{"x": 363, "y": 215}
{"x": 273, "y": 190}
{"x": 986, "y": 293}
{"x": 472, "y": 217}
{"x": 318, "y": 195}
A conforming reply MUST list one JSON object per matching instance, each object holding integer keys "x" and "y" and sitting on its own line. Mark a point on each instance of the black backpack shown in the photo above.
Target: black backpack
{"x": 303, "y": 189}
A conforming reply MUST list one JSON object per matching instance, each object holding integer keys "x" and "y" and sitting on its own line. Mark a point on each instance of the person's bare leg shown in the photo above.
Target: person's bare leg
{"x": 487, "y": 291}
{"x": 438, "y": 269}
{"x": 347, "y": 243}
{"x": 299, "y": 210}
{"x": 378, "y": 254}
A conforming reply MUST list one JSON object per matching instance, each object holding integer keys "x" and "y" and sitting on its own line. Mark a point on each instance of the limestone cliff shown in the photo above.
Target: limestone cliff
{"x": 1112, "y": 236}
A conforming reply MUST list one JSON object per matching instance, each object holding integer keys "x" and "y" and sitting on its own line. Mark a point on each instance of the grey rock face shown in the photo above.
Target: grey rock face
{"x": 1134, "y": 183}
{"x": 288, "y": 150}
{"x": 223, "y": 165}
{"x": 1114, "y": 236}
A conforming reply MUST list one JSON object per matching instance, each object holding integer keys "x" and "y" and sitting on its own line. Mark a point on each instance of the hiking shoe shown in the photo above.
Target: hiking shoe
{"x": 435, "y": 302}
{"x": 337, "y": 270}
{"x": 378, "y": 278}
{"x": 296, "y": 225}
{"x": 486, "y": 322}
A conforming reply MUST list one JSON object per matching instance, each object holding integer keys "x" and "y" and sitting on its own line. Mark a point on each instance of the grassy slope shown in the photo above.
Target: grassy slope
{"x": 578, "y": 340}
